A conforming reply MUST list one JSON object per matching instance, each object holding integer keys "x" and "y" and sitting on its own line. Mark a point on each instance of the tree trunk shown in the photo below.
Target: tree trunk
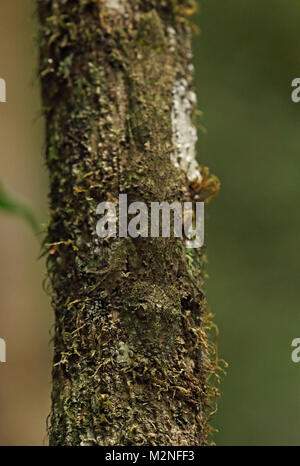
{"x": 131, "y": 354}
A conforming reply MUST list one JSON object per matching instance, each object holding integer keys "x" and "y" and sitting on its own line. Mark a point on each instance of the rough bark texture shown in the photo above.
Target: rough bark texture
{"x": 131, "y": 354}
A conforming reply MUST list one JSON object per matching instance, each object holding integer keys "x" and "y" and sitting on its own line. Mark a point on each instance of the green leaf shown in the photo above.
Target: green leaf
{"x": 16, "y": 207}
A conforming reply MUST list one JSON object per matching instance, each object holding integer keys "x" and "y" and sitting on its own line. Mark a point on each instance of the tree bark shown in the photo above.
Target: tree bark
{"x": 132, "y": 360}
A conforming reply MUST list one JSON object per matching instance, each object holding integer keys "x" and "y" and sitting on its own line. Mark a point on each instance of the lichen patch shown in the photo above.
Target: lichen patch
{"x": 116, "y": 5}
{"x": 184, "y": 130}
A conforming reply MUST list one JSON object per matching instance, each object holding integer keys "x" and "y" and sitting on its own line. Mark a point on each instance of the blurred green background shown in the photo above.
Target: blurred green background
{"x": 25, "y": 315}
{"x": 246, "y": 57}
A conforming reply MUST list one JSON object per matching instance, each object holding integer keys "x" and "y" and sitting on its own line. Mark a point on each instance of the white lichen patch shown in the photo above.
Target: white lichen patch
{"x": 184, "y": 130}
{"x": 124, "y": 353}
{"x": 116, "y": 5}
{"x": 172, "y": 39}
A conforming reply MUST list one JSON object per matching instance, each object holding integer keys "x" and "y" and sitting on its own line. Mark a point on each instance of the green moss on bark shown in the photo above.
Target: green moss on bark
{"x": 131, "y": 354}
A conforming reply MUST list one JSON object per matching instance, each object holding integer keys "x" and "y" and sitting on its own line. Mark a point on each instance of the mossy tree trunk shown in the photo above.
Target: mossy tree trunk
{"x": 131, "y": 354}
